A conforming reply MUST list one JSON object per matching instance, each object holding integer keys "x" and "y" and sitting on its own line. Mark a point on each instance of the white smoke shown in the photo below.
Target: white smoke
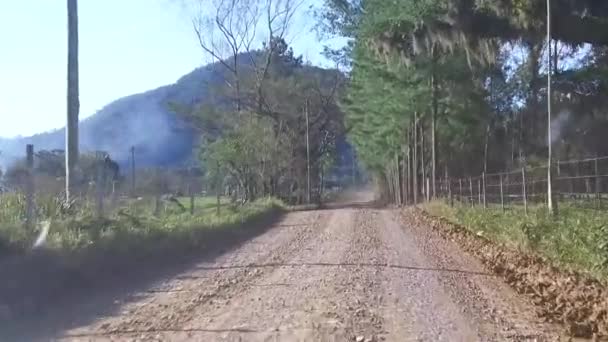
{"x": 558, "y": 124}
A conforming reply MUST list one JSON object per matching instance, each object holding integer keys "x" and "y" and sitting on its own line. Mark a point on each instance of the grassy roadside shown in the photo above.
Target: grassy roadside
{"x": 577, "y": 238}
{"x": 129, "y": 230}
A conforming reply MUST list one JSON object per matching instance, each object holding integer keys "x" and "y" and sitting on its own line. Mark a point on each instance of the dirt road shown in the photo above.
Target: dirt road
{"x": 345, "y": 274}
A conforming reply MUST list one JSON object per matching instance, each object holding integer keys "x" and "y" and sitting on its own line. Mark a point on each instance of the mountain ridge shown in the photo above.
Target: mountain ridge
{"x": 142, "y": 120}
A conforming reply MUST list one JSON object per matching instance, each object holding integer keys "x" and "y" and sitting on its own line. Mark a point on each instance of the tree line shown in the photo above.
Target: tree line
{"x": 271, "y": 126}
{"x": 458, "y": 86}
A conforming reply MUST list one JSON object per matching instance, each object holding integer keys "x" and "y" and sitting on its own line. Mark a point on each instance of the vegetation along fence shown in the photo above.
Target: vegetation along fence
{"x": 34, "y": 188}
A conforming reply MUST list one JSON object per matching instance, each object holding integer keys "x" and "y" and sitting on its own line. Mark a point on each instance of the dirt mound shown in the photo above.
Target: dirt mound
{"x": 563, "y": 296}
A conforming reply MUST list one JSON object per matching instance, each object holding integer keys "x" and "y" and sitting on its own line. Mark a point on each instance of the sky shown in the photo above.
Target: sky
{"x": 126, "y": 47}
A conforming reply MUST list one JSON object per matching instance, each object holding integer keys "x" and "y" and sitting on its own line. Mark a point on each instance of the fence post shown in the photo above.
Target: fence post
{"x": 29, "y": 195}
{"x": 598, "y": 196}
{"x": 114, "y": 195}
{"x": 133, "y": 171}
{"x": 460, "y": 189}
{"x": 502, "y": 196}
{"x": 572, "y": 183}
{"x": 449, "y": 185}
{"x": 99, "y": 183}
{"x": 523, "y": 186}
{"x": 483, "y": 176}
{"x": 479, "y": 191}
{"x": 157, "y": 193}
{"x": 471, "y": 191}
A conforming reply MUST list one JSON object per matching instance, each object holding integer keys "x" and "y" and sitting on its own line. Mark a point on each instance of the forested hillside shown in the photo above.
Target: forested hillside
{"x": 460, "y": 86}
{"x": 160, "y": 123}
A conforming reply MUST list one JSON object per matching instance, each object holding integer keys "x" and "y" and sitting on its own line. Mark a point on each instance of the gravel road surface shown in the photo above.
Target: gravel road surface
{"x": 351, "y": 273}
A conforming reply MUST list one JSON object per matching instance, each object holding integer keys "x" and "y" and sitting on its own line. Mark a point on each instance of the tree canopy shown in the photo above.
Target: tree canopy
{"x": 456, "y": 85}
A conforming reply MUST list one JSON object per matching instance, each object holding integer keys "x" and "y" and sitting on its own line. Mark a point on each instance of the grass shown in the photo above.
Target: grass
{"x": 130, "y": 227}
{"x": 576, "y": 238}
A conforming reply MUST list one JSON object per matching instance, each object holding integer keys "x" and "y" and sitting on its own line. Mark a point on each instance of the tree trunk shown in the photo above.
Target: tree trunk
{"x": 73, "y": 104}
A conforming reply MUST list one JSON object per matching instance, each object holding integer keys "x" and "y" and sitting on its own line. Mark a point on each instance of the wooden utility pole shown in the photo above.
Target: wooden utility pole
{"x": 415, "y": 161}
{"x": 307, "y": 156}
{"x": 434, "y": 113}
{"x": 73, "y": 104}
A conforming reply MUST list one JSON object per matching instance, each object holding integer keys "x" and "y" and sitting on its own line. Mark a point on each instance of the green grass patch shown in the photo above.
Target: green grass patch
{"x": 129, "y": 227}
{"x": 577, "y": 237}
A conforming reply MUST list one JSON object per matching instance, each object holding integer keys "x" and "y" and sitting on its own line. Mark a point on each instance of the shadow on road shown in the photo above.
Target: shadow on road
{"x": 41, "y": 297}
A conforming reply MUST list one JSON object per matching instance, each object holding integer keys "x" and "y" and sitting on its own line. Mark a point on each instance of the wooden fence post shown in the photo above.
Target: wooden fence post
{"x": 483, "y": 176}
{"x": 99, "y": 183}
{"x": 29, "y": 191}
{"x": 502, "y": 196}
{"x": 479, "y": 191}
{"x": 133, "y": 171}
{"x": 471, "y": 191}
{"x": 572, "y": 183}
{"x": 191, "y": 190}
{"x": 449, "y": 188}
{"x": 523, "y": 183}
{"x": 157, "y": 193}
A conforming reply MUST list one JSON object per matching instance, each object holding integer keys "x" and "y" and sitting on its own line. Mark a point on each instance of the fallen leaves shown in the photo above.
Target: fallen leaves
{"x": 571, "y": 298}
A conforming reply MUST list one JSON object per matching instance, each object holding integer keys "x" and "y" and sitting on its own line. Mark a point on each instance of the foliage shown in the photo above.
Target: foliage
{"x": 131, "y": 228}
{"x": 261, "y": 149}
{"x": 577, "y": 238}
{"x": 465, "y": 79}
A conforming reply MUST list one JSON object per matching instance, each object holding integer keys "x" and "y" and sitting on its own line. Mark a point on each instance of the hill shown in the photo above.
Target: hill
{"x": 145, "y": 121}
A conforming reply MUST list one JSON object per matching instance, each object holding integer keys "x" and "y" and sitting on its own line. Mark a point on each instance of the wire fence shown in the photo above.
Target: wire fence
{"x": 34, "y": 189}
{"x": 581, "y": 182}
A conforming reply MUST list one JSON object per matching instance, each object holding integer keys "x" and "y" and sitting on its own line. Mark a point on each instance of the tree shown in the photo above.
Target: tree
{"x": 471, "y": 71}
{"x": 71, "y": 157}
{"x": 241, "y": 23}
{"x": 236, "y": 22}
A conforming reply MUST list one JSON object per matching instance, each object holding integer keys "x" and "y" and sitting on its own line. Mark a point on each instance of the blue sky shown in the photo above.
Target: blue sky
{"x": 126, "y": 47}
